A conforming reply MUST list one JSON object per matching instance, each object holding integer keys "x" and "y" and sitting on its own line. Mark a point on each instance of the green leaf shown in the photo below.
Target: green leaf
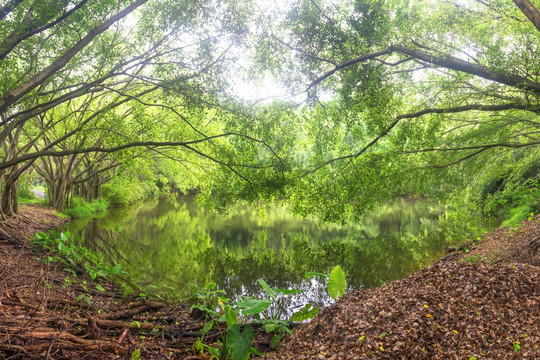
{"x": 103, "y": 273}
{"x": 230, "y": 316}
{"x": 267, "y": 288}
{"x": 136, "y": 323}
{"x": 253, "y": 306}
{"x": 62, "y": 247}
{"x": 337, "y": 283}
{"x": 240, "y": 342}
{"x": 207, "y": 327}
{"x": 271, "y": 325}
{"x": 136, "y": 355}
{"x": 100, "y": 288}
{"x": 307, "y": 312}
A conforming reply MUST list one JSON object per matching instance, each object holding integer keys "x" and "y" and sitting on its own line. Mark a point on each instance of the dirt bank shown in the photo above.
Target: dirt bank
{"x": 43, "y": 317}
{"x": 483, "y": 302}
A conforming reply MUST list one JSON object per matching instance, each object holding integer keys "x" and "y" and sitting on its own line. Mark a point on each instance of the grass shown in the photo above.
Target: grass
{"x": 35, "y": 200}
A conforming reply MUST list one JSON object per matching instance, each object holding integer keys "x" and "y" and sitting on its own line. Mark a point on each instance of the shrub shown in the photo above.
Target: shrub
{"x": 81, "y": 208}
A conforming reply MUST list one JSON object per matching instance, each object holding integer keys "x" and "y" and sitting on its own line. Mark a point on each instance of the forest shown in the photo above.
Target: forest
{"x": 341, "y": 112}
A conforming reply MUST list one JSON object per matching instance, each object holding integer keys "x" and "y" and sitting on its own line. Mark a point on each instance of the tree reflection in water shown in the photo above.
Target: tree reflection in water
{"x": 164, "y": 245}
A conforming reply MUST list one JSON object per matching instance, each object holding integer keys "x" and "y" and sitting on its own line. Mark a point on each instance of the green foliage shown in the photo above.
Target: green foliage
{"x": 472, "y": 259}
{"x": 240, "y": 342}
{"x": 337, "y": 284}
{"x": 24, "y": 187}
{"x": 82, "y": 209}
{"x": 67, "y": 250}
{"x": 209, "y": 297}
{"x": 517, "y": 215}
{"x": 125, "y": 190}
{"x": 306, "y": 313}
{"x": 237, "y": 344}
{"x": 515, "y": 202}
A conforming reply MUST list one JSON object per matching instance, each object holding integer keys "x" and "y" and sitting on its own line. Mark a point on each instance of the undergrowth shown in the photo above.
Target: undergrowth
{"x": 77, "y": 260}
{"x": 80, "y": 208}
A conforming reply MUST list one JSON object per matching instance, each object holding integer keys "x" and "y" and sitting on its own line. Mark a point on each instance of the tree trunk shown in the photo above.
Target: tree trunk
{"x": 59, "y": 190}
{"x": 9, "y": 202}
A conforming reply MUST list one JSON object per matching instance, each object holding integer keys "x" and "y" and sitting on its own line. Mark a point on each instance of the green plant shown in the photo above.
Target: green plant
{"x": 336, "y": 281}
{"x": 80, "y": 208}
{"x": 337, "y": 284}
{"x": 209, "y": 297}
{"x": 136, "y": 355}
{"x": 67, "y": 250}
{"x": 472, "y": 259}
{"x": 237, "y": 339}
{"x": 517, "y": 215}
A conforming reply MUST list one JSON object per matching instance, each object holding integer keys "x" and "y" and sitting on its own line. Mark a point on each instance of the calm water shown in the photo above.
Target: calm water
{"x": 162, "y": 245}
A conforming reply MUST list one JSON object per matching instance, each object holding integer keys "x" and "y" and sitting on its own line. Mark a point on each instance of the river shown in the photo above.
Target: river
{"x": 170, "y": 246}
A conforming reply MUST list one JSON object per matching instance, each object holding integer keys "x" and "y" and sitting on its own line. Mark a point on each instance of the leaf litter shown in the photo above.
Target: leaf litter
{"x": 488, "y": 309}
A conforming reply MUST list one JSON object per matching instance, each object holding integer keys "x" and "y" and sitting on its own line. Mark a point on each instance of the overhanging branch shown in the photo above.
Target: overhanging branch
{"x": 451, "y": 62}
{"x": 456, "y": 109}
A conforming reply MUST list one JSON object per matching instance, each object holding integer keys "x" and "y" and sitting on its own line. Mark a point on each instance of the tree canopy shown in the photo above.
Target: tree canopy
{"x": 380, "y": 99}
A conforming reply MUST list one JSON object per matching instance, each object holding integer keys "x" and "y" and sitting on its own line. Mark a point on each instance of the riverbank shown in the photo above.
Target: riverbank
{"x": 45, "y": 316}
{"x": 481, "y": 302}
{"x": 462, "y": 307}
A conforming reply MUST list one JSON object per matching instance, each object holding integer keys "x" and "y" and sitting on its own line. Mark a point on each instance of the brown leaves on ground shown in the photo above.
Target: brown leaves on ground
{"x": 41, "y": 317}
{"x": 32, "y": 219}
{"x": 450, "y": 310}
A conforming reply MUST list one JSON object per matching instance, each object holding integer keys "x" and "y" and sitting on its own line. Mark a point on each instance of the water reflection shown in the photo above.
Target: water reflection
{"x": 164, "y": 245}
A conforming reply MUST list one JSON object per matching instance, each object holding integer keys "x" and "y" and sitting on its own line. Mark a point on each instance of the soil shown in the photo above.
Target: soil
{"x": 41, "y": 317}
{"x": 482, "y": 301}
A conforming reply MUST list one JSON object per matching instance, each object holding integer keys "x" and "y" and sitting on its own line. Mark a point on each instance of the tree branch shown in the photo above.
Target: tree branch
{"x": 456, "y": 64}
{"x": 477, "y": 107}
{"x": 18, "y": 92}
{"x": 345, "y": 64}
{"x": 530, "y": 11}
{"x": 9, "y": 7}
{"x": 30, "y": 33}
{"x": 186, "y": 144}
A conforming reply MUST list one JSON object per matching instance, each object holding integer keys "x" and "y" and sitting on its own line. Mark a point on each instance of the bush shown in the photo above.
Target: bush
{"x": 515, "y": 203}
{"x": 24, "y": 186}
{"x": 125, "y": 191}
{"x": 81, "y": 209}
{"x": 517, "y": 215}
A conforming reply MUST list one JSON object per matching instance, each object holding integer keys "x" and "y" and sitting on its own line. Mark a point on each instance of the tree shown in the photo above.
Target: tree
{"x": 407, "y": 94}
{"x": 84, "y": 63}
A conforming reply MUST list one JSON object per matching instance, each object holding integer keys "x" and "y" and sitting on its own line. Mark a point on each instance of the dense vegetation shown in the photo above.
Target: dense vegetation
{"x": 376, "y": 100}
